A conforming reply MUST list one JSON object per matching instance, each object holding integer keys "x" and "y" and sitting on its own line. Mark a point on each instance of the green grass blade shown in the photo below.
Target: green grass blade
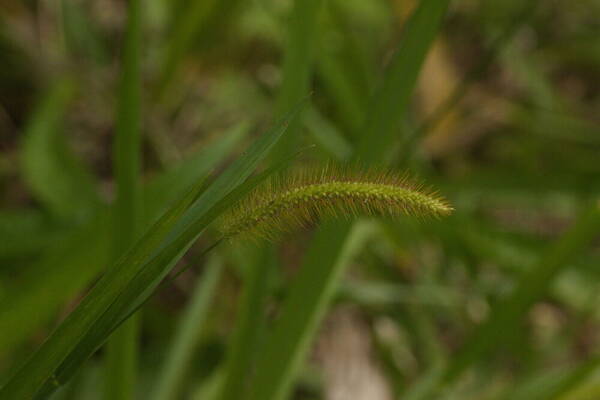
{"x": 192, "y": 322}
{"x": 182, "y": 36}
{"x": 40, "y": 368}
{"x": 244, "y": 343}
{"x": 173, "y": 183}
{"x": 392, "y": 98}
{"x": 149, "y": 278}
{"x": 26, "y": 232}
{"x": 531, "y": 287}
{"x": 131, "y": 277}
{"x": 56, "y": 278}
{"x": 312, "y": 290}
{"x": 121, "y": 352}
{"x": 459, "y": 92}
{"x": 506, "y": 314}
{"x": 552, "y": 384}
{"x": 303, "y": 310}
{"x": 195, "y": 18}
{"x": 80, "y": 33}
{"x": 326, "y": 134}
{"x": 51, "y": 171}
{"x": 127, "y": 141}
{"x": 90, "y": 245}
{"x": 297, "y": 65}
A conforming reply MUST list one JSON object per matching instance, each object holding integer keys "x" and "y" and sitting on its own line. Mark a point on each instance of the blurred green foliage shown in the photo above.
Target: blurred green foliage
{"x": 493, "y": 103}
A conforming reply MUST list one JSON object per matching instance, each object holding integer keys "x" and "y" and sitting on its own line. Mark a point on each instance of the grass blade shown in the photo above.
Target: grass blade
{"x": 243, "y": 345}
{"x": 45, "y": 292}
{"x": 129, "y": 279}
{"x": 192, "y": 323}
{"x": 53, "y": 174}
{"x": 297, "y": 64}
{"x": 200, "y": 16}
{"x": 392, "y": 98}
{"x": 553, "y": 384}
{"x": 150, "y": 277}
{"x": 121, "y": 355}
{"x": 302, "y": 311}
{"x": 90, "y": 245}
{"x": 531, "y": 286}
{"x": 506, "y": 314}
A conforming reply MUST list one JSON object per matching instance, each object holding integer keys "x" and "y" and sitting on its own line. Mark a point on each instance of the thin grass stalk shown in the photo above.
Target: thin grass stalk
{"x": 243, "y": 346}
{"x": 193, "y": 321}
{"x": 121, "y": 361}
{"x": 297, "y": 65}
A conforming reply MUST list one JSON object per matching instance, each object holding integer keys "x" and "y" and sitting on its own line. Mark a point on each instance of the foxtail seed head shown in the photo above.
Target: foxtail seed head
{"x": 302, "y": 198}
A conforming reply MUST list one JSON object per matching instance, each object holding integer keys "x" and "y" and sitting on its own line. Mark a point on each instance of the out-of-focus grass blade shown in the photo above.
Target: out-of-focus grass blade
{"x": 313, "y": 288}
{"x": 495, "y": 48}
{"x": 585, "y": 389}
{"x": 150, "y": 258}
{"x": 391, "y": 99}
{"x": 59, "y": 276}
{"x": 297, "y": 71}
{"x": 507, "y": 313}
{"x": 25, "y": 232}
{"x": 41, "y": 368}
{"x": 231, "y": 198}
{"x": 297, "y": 64}
{"x": 80, "y": 34}
{"x": 299, "y": 320}
{"x": 327, "y": 135}
{"x": 191, "y": 20}
{"x": 151, "y": 276}
{"x": 209, "y": 388}
{"x": 127, "y": 140}
{"x": 181, "y": 350}
{"x": 551, "y": 385}
{"x": 172, "y": 184}
{"x": 122, "y": 349}
{"x": 243, "y": 344}
{"x": 51, "y": 171}
{"x": 344, "y": 69}
{"x": 531, "y": 286}
{"x": 379, "y": 294}
{"x": 347, "y": 101}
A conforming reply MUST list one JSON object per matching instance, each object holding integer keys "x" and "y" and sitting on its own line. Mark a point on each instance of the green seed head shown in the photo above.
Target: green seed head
{"x": 302, "y": 198}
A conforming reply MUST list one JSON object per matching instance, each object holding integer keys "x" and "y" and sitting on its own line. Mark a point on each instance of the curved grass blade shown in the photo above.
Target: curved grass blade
{"x": 150, "y": 278}
{"x": 151, "y": 257}
{"x": 90, "y": 245}
{"x": 51, "y": 170}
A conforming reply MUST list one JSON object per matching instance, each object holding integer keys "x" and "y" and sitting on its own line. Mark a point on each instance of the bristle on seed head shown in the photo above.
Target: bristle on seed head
{"x": 301, "y": 198}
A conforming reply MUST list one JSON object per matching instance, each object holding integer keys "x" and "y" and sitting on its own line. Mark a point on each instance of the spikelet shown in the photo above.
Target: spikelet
{"x": 302, "y": 198}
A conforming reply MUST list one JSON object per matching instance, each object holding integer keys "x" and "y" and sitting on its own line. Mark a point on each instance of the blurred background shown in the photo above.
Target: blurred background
{"x": 504, "y": 122}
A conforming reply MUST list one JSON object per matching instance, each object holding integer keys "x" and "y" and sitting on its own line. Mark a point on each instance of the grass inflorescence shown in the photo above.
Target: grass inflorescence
{"x": 301, "y": 198}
